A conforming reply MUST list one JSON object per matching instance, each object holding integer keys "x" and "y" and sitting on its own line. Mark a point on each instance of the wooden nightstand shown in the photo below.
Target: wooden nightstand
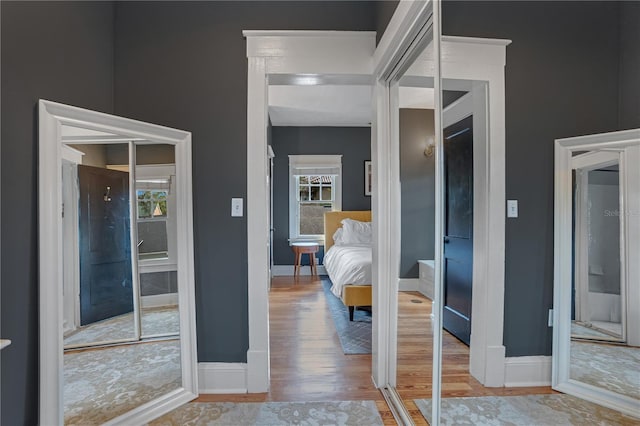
{"x": 305, "y": 248}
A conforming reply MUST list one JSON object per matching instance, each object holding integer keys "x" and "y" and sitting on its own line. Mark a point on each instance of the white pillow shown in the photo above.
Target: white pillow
{"x": 338, "y": 239}
{"x": 356, "y": 232}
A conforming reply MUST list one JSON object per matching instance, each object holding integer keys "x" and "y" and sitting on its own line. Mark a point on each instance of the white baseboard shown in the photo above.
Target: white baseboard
{"x": 527, "y": 371}
{"x": 222, "y": 377}
{"x": 408, "y": 284}
{"x": 158, "y": 300}
{"x": 287, "y": 270}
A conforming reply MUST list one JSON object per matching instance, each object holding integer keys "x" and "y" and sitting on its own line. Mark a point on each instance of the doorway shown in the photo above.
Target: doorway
{"x": 346, "y": 59}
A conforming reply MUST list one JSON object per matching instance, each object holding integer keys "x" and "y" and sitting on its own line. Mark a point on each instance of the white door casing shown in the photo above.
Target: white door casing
{"x": 287, "y": 52}
{"x": 272, "y": 53}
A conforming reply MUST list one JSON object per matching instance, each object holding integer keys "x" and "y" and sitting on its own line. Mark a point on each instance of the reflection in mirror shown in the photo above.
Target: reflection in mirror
{"x": 600, "y": 353}
{"x": 597, "y": 280}
{"x": 157, "y": 239}
{"x": 98, "y": 279}
{"x": 116, "y": 298}
{"x": 417, "y": 189}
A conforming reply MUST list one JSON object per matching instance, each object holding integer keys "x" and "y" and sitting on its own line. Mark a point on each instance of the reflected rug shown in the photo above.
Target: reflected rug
{"x": 154, "y": 321}
{"x": 355, "y": 336}
{"x": 539, "y": 410}
{"x": 101, "y": 384}
{"x": 273, "y": 413}
{"x": 616, "y": 368}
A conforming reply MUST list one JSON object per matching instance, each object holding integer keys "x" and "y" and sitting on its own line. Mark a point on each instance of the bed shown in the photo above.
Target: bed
{"x": 348, "y": 267}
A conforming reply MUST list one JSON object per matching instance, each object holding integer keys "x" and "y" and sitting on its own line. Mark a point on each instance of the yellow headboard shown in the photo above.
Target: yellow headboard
{"x": 332, "y": 223}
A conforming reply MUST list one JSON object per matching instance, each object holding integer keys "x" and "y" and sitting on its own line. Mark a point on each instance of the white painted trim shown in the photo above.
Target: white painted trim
{"x": 158, "y": 300}
{"x": 526, "y": 371}
{"x": 222, "y": 377}
{"x": 52, "y": 116}
{"x": 629, "y": 142}
{"x": 281, "y": 52}
{"x": 409, "y": 284}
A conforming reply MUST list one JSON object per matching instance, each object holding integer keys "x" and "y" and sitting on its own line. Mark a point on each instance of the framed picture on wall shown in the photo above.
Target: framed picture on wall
{"x": 367, "y": 178}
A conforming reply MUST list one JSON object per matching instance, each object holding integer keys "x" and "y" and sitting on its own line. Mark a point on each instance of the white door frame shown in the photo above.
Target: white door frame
{"x": 331, "y": 52}
{"x": 52, "y": 116}
{"x": 628, "y": 142}
{"x": 468, "y": 60}
{"x": 287, "y": 53}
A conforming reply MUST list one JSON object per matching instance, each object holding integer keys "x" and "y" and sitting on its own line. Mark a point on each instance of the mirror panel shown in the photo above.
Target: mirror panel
{"x": 600, "y": 353}
{"x": 597, "y": 282}
{"x": 157, "y": 239}
{"x": 98, "y": 271}
{"x": 120, "y": 306}
{"x": 416, "y": 137}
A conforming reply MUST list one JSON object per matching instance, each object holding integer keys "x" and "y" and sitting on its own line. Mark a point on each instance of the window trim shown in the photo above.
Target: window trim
{"x": 161, "y": 171}
{"x": 314, "y": 163}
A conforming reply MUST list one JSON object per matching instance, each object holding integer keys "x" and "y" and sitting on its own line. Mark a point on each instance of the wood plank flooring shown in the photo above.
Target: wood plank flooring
{"x": 307, "y": 363}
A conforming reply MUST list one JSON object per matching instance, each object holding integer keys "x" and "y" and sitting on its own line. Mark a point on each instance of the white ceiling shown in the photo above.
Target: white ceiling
{"x": 334, "y": 105}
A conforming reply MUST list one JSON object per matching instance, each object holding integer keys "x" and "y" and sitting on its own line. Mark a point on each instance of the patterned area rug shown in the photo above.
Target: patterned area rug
{"x": 154, "y": 321}
{"x": 101, "y": 384}
{"x": 539, "y": 410}
{"x": 273, "y": 413}
{"x": 355, "y": 336}
{"x": 616, "y": 368}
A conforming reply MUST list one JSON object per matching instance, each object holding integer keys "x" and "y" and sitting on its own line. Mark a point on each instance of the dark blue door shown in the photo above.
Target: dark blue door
{"x": 458, "y": 229}
{"x": 105, "y": 246}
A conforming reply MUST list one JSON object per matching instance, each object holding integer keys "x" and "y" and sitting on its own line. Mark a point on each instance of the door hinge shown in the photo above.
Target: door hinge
{"x": 550, "y": 323}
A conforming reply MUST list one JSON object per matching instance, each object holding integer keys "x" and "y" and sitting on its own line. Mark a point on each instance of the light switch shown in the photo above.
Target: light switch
{"x": 236, "y": 207}
{"x": 512, "y": 208}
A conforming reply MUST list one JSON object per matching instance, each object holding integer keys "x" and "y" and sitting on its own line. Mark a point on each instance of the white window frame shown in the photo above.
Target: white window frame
{"x": 314, "y": 164}
{"x": 160, "y": 171}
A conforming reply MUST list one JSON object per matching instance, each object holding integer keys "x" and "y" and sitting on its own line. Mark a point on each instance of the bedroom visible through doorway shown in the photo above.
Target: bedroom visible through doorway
{"x": 319, "y": 140}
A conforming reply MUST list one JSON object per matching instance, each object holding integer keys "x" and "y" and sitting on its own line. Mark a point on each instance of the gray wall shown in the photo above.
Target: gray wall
{"x": 561, "y": 80}
{"x": 354, "y": 143}
{"x": 183, "y": 65}
{"x": 417, "y": 180}
{"x": 629, "y": 89}
{"x": 384, "y": 11}
{"x": 62, "y": 52}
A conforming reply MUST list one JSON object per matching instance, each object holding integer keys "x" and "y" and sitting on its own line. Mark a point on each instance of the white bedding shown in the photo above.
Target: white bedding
{"x": 348, "y": 265}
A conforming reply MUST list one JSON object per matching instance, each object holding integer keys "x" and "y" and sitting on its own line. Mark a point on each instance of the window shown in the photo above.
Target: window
{"x": 156, "y": 214}
{"x": 152, "y": 223}
{"x": 315, "y": 187}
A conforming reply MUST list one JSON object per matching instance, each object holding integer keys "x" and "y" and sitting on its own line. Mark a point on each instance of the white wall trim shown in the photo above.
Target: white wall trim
{"x": 158, "y": 300}
{"x": 526, "y": 371}
{"x": 287, "y": 270}
{"x": 222, "y": 377}
{"x": 409, "y": 284}
{"x": 270, "y": 53}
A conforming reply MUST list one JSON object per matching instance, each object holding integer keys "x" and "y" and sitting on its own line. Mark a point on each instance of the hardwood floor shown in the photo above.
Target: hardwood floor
{"x": 415, "y": 358}
{"x": 307, "y": 363}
